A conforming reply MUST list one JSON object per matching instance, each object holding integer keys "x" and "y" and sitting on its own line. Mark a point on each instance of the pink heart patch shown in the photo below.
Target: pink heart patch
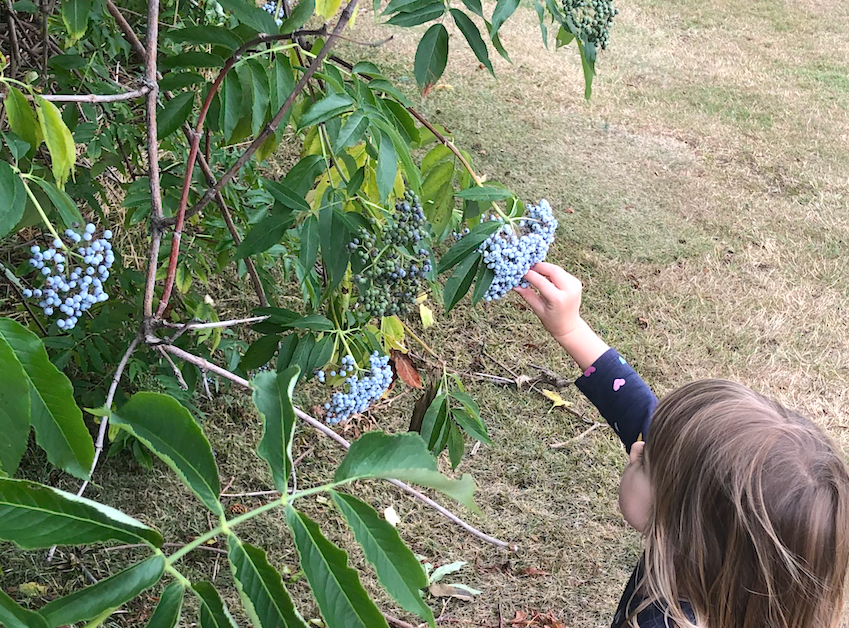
{"x": 617, "y": 384}
{"x": 589, "y": 371}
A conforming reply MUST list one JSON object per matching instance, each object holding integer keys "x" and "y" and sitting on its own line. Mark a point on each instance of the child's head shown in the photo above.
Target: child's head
{"x": 749, "y": 515}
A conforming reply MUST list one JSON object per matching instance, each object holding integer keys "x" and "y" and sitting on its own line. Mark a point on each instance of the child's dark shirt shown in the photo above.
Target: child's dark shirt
{"x": 627, "y": 404}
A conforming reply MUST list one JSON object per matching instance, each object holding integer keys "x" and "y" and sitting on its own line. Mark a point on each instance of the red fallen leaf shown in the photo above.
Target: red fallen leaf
{"x": 532, "y": 571}
{"x": 405, "y": 370}
{"x": 569, "y": 210}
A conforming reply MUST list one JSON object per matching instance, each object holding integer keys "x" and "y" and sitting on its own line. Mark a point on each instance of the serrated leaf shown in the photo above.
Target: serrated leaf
{"x": 540, "y": 9}
{"x": 300, "y": 16}
{"x": 482, "y": 282}
{"x": 326, "y": 108}
{"x": 473, "y": 37}
{"x": 503, "y": 10}
{"x": 309, "y": 241}
{"x": 474, "y": 427}
{"x": 179, "y": 80}
{"x": 273, "y": 400}
{"x": 213, "y": 612}
{"x": 174, "y": 114}
{"x": 433, "y": 424}
{"x": 204, "y": 35}
{"x": 403, "y": 457}
{"x": 467, "y": 244}
{"x": 588, "y": 52}
{"x": 58, "y": 422}
{"x": 22, "y": 120}
{"x": 431, "y": 56}
{"x": 431, "y": 11}
{"x": 251, "y": 15}
{"x": 75, "y": 16}
{"x": 12, "y": 615}
{"x": 261, "y": 588}
{"x": 397, "y": 568}
{"x": 14, "y": 409}
{"x": 231, "y": 105}
{"x": 403, "y": 150}
{"x": 167, "y": 612}
{"x": 496, "y": 42}
{"x": 436, "y": 178}
{"x": 341, "y": 599}
{"x": 109, "y": 593}
{"x": 456, "y": 445}
{"x": 352, "y": 131}
{"x": 387, "y": 167}
{"x": 64, "y": 204}
{"x": 13, "y": 199}
{"x": 474, "y": 6}
{"x": 165, "y": 427}
{"x": 286, "y": 195}
{"x": 259, "y": 95}
{"x": 34, "y": 516}
{"x": 460, "y": 281}
{"x": 265, "y": 234}
{"x": 58, "y": 138}
{"x": 259, "y": 353}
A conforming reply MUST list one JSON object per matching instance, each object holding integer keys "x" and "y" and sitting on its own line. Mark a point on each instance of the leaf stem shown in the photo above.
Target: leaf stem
{"x": 419, "y": 340}
{"x": 38, "y": 208}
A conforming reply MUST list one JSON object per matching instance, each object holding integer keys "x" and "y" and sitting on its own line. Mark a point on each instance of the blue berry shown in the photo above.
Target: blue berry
{"x": 361, "y": 391}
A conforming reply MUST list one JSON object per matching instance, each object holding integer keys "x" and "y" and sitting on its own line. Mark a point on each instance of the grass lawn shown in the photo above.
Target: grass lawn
{"x": 703, "y": 198}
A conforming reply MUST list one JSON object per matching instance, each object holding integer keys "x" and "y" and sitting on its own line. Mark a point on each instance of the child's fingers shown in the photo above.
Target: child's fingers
{"x": 531, "y": 298}
{"x": 555, "y": 274}
{"x": 547, "y": 290}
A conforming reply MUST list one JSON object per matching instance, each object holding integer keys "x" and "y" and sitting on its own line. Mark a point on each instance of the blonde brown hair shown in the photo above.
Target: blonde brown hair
{"x": 750, "y": 521}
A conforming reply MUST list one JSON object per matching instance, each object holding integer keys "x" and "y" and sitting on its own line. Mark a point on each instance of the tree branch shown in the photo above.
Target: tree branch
{"x": 93, "y": 98}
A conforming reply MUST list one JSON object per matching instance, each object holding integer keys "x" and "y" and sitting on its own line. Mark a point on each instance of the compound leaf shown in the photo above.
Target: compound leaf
{"x": 387, "y": 166}
{"x": 165, "y": 427}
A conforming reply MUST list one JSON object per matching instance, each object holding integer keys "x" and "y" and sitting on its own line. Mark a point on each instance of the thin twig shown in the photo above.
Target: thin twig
{"x": 128, "y": 31}
{"x": 230, "y": 323}
{"x": 94, "y": 98}
{"x": 398, "y": 623}
{"x": 251, "y": 494}
{"x": 566, "y": 443}
{"x": 324, "y": 429}
{"x": 23, "y": 300}
{"x": 177, "y": 373}
{"x": 15, "y": 53}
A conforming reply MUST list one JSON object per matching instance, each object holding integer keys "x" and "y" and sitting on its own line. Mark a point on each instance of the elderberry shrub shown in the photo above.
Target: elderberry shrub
{"x": 276, "y": 9}
{"x": 363, "y": 388}
{"x": 68, "y": 289}
{"x": 512, "y": 250}
{"x": 593, "y": 18}
{"x": 391, "y": 264}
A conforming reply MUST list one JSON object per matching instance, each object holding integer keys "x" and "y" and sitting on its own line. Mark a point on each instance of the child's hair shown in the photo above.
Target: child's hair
{"x": 750, "y": 523}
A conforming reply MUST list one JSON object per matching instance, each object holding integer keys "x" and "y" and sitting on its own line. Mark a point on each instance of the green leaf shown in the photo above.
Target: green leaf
{"x": 431, "y": 11}
{"x": 179, "y": 80}
{"x": 63, "y": 203}
{"x": 473, "y": 426}
{"x": 309, "y": 241}
{"x": 302, "y": 176}
{"x": 300, "y": 16}
{"x": 251, "y": 15}
{"x": 321, "y": 354}
{"x": 397, "y": 568}
{"x": 261, "y": 588}
{"x": 460, "y": 281}
{"x": 431, "y": 56}
{"x": 174, "y": 114}
{"x": 486, "y": 193}
{"x": 496, "y": 42}
{"x": 503, "y": 10}
{"x": 333, "y": 238}
{"x": 456, "y": 445}
{"x": 204, "y": 35}
{"x": 286, "y": 195}
{"x": 22, "y": 119}
{"x": 59, "y": 140}
{"x": 564, "y": 37}
{"x": 109, "y": 593}
{"x": 404, "y": 122}
{"x": 402, "y": 457}
{"x": 540, "y": 9}
{"x": 75, "y": 16}
{"x": 259, "y": 353}
{"x": 231, "y": 105}
{"x": 281, "y": 83}
{"x": 14, "y": 409}
{"x": 193, "y": 60}
{"x": 58, "y": 422}
{"x": 403, "y": 151}
{"x": 433, "y": 422}
{"x": 14, "y": 616}
{"x": 467, "y": 245}
{"x": 265, "y": 234}
{"x": 473, "y": 36}
{"x": 436, "y": 178}
{"x": 165, "y": 427}
{"x": 588, "y": 53}
{"x": 387, "y": 167}
{"x": 13, "y": 199}
{"x": 326, "y": 108}
{"x": 341, "y": 599}
{"x": 352, "y": 131}
{"x": 260, "y": 95}
{"x": 213, "y": 612}
{"x": 25, "y": 6}
{"x": 474, "y": 6}
{"x": 167, "y": 612}
{"x": 482, "y": 282}
{"x": 34, "y": 516}
{"x": 273, "y": 399}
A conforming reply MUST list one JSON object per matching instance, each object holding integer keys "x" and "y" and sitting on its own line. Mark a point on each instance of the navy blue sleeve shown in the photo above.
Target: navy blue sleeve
{"x": 622, "y": 398}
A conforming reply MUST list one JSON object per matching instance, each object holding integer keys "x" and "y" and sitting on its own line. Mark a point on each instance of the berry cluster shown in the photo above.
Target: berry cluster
{"x": 392, "y": 265}
{"x": 362, "y": 391}
{"x": 512, "y": 250}
{"x": 593, "y": 18}
{"x": 72, "y": 291}
{"x": 275, "y": 9}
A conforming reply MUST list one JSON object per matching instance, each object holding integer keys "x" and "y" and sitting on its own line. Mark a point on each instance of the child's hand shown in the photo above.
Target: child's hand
{"x": 556, "y": 300}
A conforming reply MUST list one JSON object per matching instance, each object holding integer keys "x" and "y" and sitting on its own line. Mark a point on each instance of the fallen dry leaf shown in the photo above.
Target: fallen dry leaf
{"x": 533, "y": 571}
{"x": 555, "y": 398}
{"x": 437, "y": 589}
{"x": 405, "y": 370}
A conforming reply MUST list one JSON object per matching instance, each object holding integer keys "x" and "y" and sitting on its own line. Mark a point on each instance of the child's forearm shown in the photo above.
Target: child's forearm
{"x": 583, "y": 345}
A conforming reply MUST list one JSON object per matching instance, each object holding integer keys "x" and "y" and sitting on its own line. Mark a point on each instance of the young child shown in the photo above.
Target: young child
{"x": 744, "y": 505}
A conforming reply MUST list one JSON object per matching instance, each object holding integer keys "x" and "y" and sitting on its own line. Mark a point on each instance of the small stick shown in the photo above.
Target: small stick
{"x": 252, "y": 494}
{"x": 566, "y": 443}
{"x": 398, "y": 623}
{"x": 94, "y": 98}
{"x": 177, "y": 373}
{"x": 230, "y": 323}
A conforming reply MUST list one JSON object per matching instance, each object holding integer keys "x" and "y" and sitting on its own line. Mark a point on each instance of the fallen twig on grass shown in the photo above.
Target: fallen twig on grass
{"x": 566, "y": 443}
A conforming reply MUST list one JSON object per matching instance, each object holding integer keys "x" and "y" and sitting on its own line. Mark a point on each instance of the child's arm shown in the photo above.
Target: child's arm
{"x": 612, "y": 386}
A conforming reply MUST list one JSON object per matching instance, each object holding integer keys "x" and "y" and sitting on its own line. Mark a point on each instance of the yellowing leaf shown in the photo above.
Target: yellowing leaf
{"x": 32, "y": 589}
{"x": 59, "y": 141}
{"x": 21, "y": 118}
{"x": 392, "y": 330}
{"x": 556, "y": 399}
{"x": 426, "y": 314}
{"x": 327, "y": 8}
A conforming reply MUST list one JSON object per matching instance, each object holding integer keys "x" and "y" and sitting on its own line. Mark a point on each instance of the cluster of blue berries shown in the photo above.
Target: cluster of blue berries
{"x": 393, "y": 263}
{"x": 275, "y": 10}
{"x": 512, "y": 250}
{"x": 362, "y": 390}
{"x": 592, "y": 18}
{"x": 74, "y": 272}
